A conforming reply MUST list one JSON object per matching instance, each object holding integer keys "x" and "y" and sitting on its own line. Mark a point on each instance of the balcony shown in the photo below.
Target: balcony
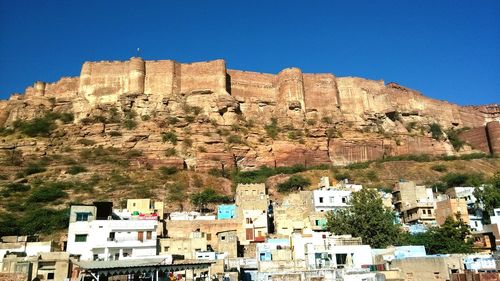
{"x": 126, "y": 243}
{"x": 126, "y": 225}
{"x": 416, "y": 205}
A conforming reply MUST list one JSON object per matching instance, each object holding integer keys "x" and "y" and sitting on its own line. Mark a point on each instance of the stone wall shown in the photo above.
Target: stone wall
{"x": 477, "y": 138}
{"x": 484, "y": 138}
{"x": 183, "y": 228}
{"x": 13, "y": 277}
{"x": 493, "y": 129}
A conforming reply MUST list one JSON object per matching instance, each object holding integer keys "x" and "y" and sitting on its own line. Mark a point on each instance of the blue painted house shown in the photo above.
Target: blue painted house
{"x": 226, "y": 212}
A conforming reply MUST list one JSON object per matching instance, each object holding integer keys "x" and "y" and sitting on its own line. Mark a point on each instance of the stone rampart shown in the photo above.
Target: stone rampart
{"x": 493, "y": 131}
{"x": 477, "y": 138}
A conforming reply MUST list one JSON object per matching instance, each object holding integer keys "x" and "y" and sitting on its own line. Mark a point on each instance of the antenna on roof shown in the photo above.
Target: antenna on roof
{"x": 137, "y": 52}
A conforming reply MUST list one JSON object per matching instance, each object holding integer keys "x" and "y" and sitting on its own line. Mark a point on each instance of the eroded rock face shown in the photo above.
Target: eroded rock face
{"x": 219, "y": 115}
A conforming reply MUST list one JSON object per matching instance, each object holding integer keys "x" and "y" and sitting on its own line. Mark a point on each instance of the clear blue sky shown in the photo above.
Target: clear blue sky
{"x": 447, "y": 49}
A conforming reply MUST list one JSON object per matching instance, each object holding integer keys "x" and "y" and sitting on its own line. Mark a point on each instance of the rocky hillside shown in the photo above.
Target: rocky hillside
{"x": 202, "y": 116}
{"x": 167, "y": 130}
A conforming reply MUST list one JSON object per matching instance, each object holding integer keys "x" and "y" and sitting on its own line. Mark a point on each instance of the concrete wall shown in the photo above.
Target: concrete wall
{"x": 182, "y": 228}
{"x": 228, "y": 243}
{"x": 183, "y": 246}
{"x": 428, "y": 268}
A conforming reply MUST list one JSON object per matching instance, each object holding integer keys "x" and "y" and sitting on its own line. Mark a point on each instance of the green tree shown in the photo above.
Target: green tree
{"x": 295, "y": 182}
{"x": 272, "y": 128}
{"x": 41, "y": 126}
{"x": 177, "y": 193}
{"x": 170, "y": 137}
{"x": 436, "y": 131}
{"x": 43, "y": 220}
{"x": 9, "y": 224}
{"x": 488, "y": 197}
{"x": 207, "y": 196}
{"x": 366, "y": 218}
{"x": 450, "y": 238}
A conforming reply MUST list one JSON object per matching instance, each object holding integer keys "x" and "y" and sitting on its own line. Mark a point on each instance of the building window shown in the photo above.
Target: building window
{"x": 165, "y": 249}
{"x": 82, "y": 216}
{"x": 140, "y": 236}
{"x": 209, "y": 236}
{"x": 50, "y": 276}
{"x": 223, "y": 237}
{"x": 149, "y": 235}
{"x": 249, "y": 220}
{"x": 344, "y": 199}
{"x": 321, "y": 200}
{"x": 341, "y": 258}
{"x": 80, "y": 237}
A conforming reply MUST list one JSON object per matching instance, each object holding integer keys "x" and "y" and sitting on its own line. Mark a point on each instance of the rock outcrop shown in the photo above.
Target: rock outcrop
{"x": 219, "y": 116}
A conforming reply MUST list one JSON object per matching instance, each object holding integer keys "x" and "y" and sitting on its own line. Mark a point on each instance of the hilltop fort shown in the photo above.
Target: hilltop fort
{"x": 319, "y": 118}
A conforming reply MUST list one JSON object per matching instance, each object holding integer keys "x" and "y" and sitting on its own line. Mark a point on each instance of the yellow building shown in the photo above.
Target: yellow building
{"x": 186, "y": 246}
{"x": 450, "y": 208}
{"x": 252, "y": 203}
{"x": 294, "y": 213}
{"x": 145, "y": 207}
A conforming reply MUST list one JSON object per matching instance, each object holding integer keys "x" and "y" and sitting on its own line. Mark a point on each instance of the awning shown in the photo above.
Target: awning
{"x": 135, "y": 266}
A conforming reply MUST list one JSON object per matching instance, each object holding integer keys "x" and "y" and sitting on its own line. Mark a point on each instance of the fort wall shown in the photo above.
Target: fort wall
{"x": 160, "y": 78}
{"x": 290, "y": 95}
{"x": 66, "y": 88}
{"x": 252, "y": 86}
{"x": 202, "y": 76}
{"x": 493, "y": 131}
{"x": 321, "y": 93}
{"x": 136, "y": 75}
{"x": 477, "y": 138}
{"x": 104, "y": 82}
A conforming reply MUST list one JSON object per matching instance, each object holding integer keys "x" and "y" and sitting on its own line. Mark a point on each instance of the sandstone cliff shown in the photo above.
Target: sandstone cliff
{"x": 226, "y": 118}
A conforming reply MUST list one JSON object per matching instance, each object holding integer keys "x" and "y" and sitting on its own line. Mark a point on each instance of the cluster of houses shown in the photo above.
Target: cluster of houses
{"x": 253, "y": 239}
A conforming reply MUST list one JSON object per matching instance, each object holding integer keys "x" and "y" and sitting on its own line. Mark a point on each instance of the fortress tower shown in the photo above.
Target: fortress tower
{"x": 136, "y": 75}
{"x": 290, "y": 92}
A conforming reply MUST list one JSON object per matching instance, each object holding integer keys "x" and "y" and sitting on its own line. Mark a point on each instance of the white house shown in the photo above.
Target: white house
{"x": 96, "y": 233}
{"x": 323, "y": 250}
{"x": 495, "y": 219}
{"x": 324, "y": 183}
{"x": 255, "y": 224}
{"x": 22, "y": 244}
{"x": 331, "y": 199}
